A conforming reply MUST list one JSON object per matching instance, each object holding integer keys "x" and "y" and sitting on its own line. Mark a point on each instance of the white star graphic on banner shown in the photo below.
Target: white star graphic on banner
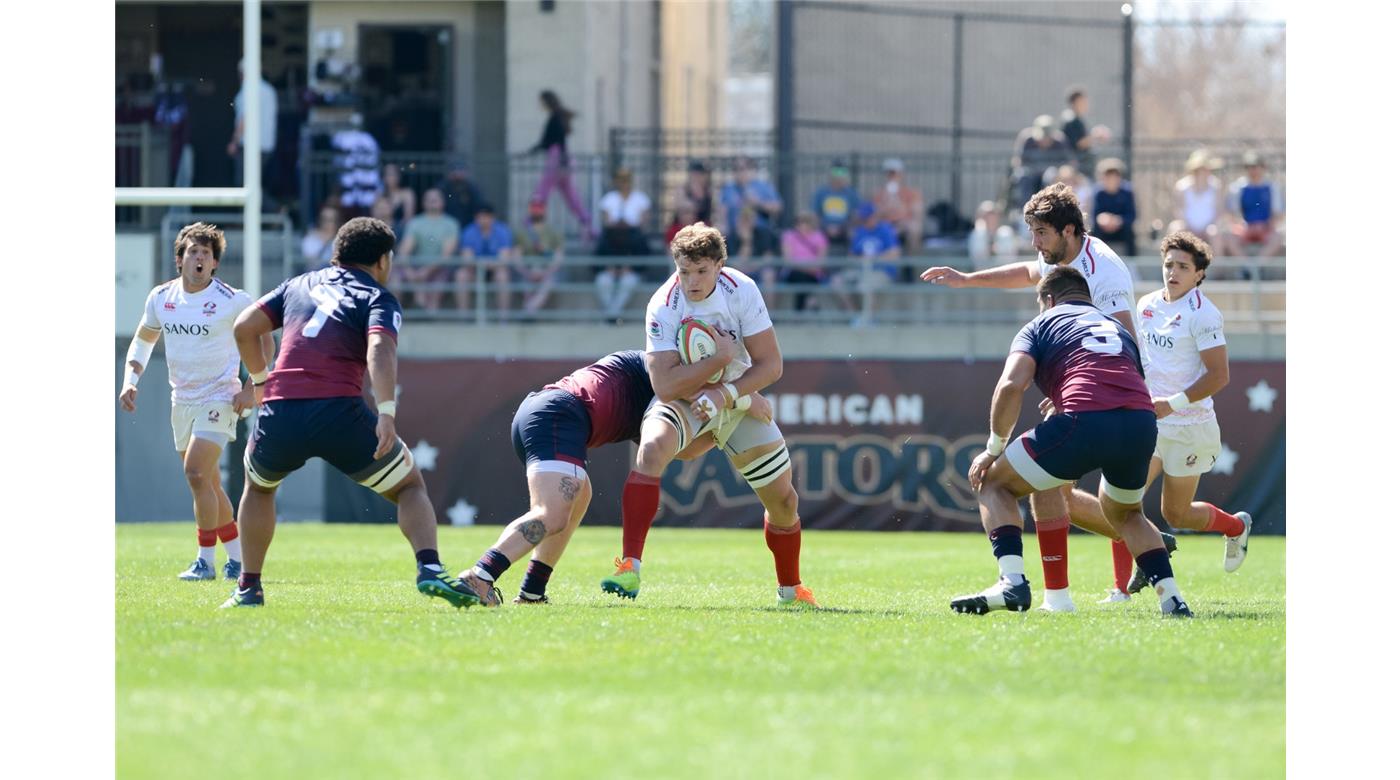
{"x": 425, "y": 455}
{"x": 1261, "y": 397}
{"x": 462, "y": 513}
{"x": 1225, "y": 463}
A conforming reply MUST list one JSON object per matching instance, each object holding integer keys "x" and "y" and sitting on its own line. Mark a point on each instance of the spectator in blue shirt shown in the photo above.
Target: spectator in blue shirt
{"x": 749, "y": 190}
{"x": 1257, "y": 206}
{"x": 1115, "y": 208}
{"x": 835, "y": 204}
{"x": 489, "y": 244}
{"x": 871, "y": 239}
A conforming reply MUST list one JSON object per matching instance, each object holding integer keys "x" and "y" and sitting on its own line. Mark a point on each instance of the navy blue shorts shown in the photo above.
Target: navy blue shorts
{"x": 340, "y": 431}
{"x": 1067, "y": 446}
{"x": 551, "y": 426}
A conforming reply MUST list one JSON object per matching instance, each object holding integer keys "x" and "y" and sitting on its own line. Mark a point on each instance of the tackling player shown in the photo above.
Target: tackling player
{"x": 553, "y": 430}
{"x": 196, "y": 311}
{"x": 1057, "y": 233}
{"x": 1184, "y": 355}
{"x": 336, "y": 322}
{"x": 687, "y": 407}
{"x": 1089, "y": 366}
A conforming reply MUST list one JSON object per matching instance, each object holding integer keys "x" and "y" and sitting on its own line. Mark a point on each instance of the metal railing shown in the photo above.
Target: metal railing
{"x": 1250, "y": 292}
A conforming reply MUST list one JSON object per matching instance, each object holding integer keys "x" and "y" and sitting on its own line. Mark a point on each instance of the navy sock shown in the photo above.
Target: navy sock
{"x": 494, "y": 563}
{"x": 250, "y": 580}
{"x": 536, "y": 578}
{"x": 427, "y": 557}
{"x": 1156, "y": 564}
{"x": 1006, "y": 540}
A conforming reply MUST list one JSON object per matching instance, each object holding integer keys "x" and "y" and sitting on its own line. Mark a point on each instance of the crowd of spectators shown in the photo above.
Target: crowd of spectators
{"x": 452, "y": 241}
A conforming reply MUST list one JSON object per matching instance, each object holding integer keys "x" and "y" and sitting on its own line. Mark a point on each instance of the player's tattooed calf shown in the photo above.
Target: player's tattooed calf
{"x": 533, "y": 531}
{"x": 569, "y": 487}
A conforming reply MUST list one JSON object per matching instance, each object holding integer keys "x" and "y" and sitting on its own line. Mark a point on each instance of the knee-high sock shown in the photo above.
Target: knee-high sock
{"x": 786, "y": 546}
{"x": 1052, "y": 535}
{"x": 1122, "y": 566}
{"x": 641, "y": 497}
{"x": 1222, "y": 522}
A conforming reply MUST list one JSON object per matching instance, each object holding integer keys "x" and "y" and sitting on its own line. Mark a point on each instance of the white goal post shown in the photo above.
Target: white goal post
{"x": 249, "y": 196}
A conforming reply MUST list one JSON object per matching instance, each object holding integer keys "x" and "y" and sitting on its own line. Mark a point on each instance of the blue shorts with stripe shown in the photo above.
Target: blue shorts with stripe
{"x": 551, "y": 425}
{"x": 340, "y": 431}
{"x": 1069, "y": 445}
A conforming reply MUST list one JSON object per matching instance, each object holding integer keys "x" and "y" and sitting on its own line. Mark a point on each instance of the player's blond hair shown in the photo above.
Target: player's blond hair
{"x": 699, "y": 242}
{"x": 201, "y": 233}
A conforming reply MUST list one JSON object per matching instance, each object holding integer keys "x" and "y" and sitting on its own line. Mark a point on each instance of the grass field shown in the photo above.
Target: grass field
{"x": 349, "y": 673}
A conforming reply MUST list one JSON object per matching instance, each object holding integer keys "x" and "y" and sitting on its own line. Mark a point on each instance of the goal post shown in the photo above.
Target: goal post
{"x": 249, "y": 196}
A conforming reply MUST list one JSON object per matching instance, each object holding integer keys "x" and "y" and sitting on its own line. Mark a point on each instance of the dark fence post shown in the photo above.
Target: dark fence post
{"x": 785, "y": 98}
{"x": 1128, "y": 88}
{"x": 955, "y": 170}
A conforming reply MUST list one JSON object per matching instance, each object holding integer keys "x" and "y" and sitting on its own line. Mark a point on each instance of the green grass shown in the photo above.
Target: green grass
{"x": 349, "y": 672}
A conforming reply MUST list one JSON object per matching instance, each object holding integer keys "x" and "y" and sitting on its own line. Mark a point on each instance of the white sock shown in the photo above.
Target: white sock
{"x": 206, "y": 554}
{"x": 1013, "y": 568}
{"x": 434, "y": 567}
{"x": 233, "y": 549}
{"x": 787, "y": 592}
{"x": 483, "y": 574}
{"x": 1166, "y": 591}
{"x": 636, "y": 564}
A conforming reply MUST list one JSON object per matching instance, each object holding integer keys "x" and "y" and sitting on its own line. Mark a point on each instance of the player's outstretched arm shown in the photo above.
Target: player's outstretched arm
{"x": 1007, "y": 276}
{"x": 138, "y": 354}
{"x": 1216, "y": 377}
{"x": 383, "y": 359}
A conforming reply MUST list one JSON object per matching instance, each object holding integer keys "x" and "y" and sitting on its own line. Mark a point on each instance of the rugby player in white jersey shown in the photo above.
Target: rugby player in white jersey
{"x": 688, "y": 406}
{"x": 1057, "y": 229}
{"x": 196, "y": 312}
{"x": 1182, "y": 339}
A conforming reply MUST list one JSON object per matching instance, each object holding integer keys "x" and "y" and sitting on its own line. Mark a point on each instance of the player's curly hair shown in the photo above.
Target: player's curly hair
{"x": 1056, "y": 206}
{"x": 699, "y": 242}
{"x": 362, "y": 241}
{"x": 1061, "y": 282}
{"x": 1191, "y": 244}
{"x": 201, "y": 233}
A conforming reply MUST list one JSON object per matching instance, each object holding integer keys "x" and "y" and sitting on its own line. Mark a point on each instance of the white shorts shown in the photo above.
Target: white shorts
{"x": 1188, "y": 450}
{"x": 736, "y": 432}
{"x": 213, "y": 421}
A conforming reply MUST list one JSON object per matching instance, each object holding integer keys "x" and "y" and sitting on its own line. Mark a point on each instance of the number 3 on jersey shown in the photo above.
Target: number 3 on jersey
{"x": 327, "y": 301}
{"x": 1103, "y": 336}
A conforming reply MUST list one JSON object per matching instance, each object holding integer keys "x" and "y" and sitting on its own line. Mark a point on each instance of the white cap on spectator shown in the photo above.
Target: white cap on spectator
{"x": 893, "y": 164}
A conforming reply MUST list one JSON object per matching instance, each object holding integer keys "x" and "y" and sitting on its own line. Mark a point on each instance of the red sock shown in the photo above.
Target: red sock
{"x": 226, "y": 532}
{"x": 1053, "y": 537}
{"x": 207, "y": 538}
{"x": 786, "y": 546}
{"x": 1122, "y": 566}
{"x": 641, "y": 497}
{"x": 1222, "y": 522}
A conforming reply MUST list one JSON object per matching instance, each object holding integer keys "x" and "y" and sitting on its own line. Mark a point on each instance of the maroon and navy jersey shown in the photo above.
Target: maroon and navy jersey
{"x": 326, "y": 317}
{"x": 616, "y": 391}
{"x": 1085, "y": 361}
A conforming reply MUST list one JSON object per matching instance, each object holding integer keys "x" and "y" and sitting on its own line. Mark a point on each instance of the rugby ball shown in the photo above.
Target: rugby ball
{"x": 695, "y": 343}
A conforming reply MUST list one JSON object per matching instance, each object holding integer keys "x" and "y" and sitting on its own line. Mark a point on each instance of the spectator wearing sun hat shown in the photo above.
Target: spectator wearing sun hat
{"x": 1199, "y": 198}
{"x": 1257, "y": 206}
{"x": 901, "y": 205}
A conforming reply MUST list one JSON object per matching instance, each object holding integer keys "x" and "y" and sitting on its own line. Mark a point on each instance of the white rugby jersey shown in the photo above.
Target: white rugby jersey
{"x": 1110, "y": 283}
{"x": 1171, "y": 337}
{"x": 735, "y": 310}
{"x": 200, "y": 352}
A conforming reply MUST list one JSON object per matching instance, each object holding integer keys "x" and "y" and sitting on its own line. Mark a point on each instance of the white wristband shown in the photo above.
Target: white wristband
{"x": 131, "y": 377}
{"x": 140, "y": 352}
{"x": 733, "y": 392}
{"x": 258, "y": 378}
{"x": 743, "y": 403}
{"x": 996, "y": 445}
{"x": 390, "y": 408}
{"x": 1179, "y": 401}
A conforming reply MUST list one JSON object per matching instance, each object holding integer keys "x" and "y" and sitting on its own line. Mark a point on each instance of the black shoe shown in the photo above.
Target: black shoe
{"x": 1180, "y": 610}
{"x": 1139, "y": 580}
{"x": 446, "y": 587}
{"x": 520, "y": 599}
{"x": 1003, "y": 595}
{"x": 244, "y": 597}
